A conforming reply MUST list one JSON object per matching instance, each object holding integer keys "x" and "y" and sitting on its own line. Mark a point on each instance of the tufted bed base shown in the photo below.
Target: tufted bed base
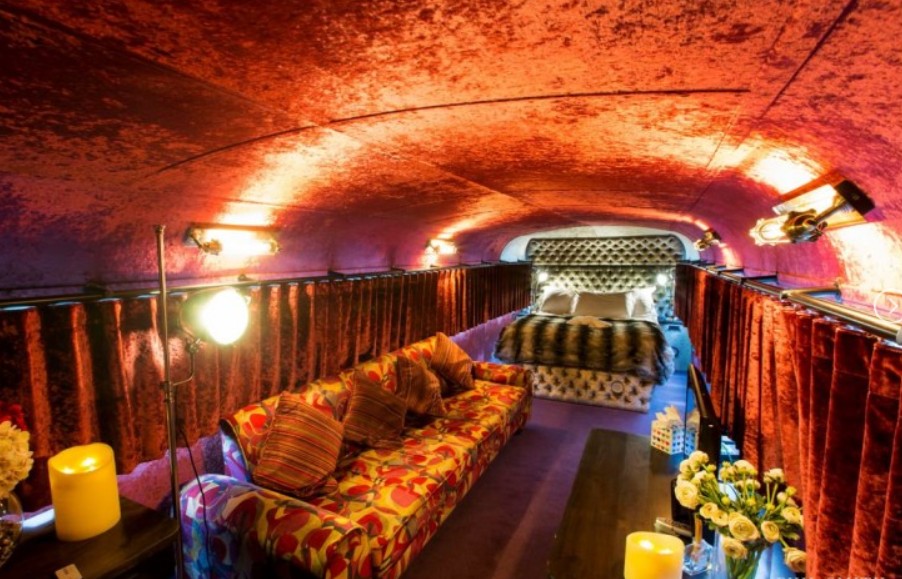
{"x": 596, "y": 387}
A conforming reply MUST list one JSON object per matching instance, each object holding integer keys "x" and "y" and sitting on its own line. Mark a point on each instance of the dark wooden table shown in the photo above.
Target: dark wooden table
{"x": 140, "y": 545}
{"x": 622, "y": 486}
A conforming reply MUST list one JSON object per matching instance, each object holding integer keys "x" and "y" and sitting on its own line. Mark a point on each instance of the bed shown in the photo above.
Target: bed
{"x": 593, "y": 334}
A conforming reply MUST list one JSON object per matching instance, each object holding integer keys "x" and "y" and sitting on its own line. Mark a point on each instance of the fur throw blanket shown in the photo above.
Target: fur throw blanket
{"x": 632, "y": 346}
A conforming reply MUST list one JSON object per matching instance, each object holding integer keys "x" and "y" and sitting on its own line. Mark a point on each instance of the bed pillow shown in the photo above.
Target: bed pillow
{"x": 615, "y": 306}
{"x": 644, "y": 304}
{"x": 301, "y": 450}
{"x": 375, "y": 416}
{"x": 419, "y": 388}
{"x": 557, "y": 302}
{"x": 453, "y": 364}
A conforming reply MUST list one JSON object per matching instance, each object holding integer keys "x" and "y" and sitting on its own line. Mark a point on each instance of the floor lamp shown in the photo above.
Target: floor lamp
{"x": 219, "y": 315}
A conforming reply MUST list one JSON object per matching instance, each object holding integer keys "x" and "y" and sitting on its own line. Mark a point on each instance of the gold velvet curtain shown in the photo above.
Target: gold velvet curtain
{"x": 90, "y": 371}
{"x": 820, "y": 399}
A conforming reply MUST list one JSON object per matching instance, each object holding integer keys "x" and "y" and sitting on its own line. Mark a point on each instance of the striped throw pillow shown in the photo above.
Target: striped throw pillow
{"x": 452, "y": 364}
{"x": 301, "y": 450}
{"x": 419, "y": 388}
{"x": 375, "y": 416}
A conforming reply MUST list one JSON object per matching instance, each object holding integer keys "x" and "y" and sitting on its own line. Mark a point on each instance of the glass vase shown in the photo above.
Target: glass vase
{"x": 743, "y": 568}
{"x": 697, "y": 559}
{"x": 11, "y": 521}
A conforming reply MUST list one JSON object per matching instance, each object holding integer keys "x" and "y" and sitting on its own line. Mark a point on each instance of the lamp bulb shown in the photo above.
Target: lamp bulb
{"x": 225, "y": 316}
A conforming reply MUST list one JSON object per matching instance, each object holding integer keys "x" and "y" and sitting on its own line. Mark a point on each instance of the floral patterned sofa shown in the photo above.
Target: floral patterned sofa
{"x": 389, "y": 502}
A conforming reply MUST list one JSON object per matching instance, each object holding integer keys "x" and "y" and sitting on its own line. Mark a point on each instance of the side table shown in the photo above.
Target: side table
{"x": 140, "y": 545}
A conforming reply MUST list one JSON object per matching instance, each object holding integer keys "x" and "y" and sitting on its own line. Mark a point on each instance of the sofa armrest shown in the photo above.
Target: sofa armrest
{"x": 249, "y": 531}
{"x": 502, "y": 374}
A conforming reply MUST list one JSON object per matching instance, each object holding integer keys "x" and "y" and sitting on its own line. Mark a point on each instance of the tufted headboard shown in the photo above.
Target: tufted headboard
{"x": 607, "y": 264}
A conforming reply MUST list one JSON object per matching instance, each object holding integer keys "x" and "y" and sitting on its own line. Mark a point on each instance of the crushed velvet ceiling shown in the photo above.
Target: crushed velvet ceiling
{"x": 361, "y": 129}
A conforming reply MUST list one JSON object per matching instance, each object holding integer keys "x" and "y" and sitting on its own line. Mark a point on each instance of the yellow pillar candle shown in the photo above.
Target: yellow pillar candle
{"x": 84, "y": 491}
{"x": 653, "y": 556}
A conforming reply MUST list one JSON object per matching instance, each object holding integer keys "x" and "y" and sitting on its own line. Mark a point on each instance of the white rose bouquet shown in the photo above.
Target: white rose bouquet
{"x": 748, "y": 519}
{"x": 15, "y": 457}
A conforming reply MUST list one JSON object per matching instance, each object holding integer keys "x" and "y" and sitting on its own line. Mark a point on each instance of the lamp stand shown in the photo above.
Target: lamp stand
{"x": 169, "y": 396}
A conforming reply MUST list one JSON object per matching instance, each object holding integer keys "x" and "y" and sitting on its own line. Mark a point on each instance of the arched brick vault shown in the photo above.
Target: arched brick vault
{"x": 361, "y": 129}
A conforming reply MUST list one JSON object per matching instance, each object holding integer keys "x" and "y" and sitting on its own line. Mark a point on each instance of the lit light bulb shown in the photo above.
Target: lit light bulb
{"x": 769, "y": 231}
{"x": 225, "y": 316}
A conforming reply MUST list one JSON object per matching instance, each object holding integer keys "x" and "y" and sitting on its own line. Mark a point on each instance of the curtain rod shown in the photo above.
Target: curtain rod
{"x": 95, "y": 294}
{"x": 808, "y": 297}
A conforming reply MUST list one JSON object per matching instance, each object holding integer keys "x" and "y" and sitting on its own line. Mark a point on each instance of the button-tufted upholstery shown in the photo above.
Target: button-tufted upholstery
{"x": 608, "y": 264}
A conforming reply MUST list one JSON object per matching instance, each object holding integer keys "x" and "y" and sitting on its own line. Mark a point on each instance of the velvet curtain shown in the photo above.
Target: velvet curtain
{"x": 91, "y": 371}
{"x": 816, "y": 397}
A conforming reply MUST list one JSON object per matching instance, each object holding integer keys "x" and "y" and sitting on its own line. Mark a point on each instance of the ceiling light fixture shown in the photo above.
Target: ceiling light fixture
{"x": 804, "y": 214}
{"x": 247, "y": 240}
{"x": 709, "y": 238}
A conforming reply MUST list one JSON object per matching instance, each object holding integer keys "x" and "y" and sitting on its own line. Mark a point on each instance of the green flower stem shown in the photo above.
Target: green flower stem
{"x": 744, "y": 568}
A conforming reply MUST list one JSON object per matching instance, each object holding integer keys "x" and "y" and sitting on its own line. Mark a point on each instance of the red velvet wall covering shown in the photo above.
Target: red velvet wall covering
{"x": 820, "y": 399}
{"x": 87, "y": 372}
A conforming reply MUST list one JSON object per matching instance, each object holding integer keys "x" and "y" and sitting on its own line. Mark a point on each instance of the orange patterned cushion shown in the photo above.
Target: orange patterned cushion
{"x": 419, "y": 388}
{"x": 301, "y": 450}
{"x": 375, "y": 416}
{"x": 452, "y": 363}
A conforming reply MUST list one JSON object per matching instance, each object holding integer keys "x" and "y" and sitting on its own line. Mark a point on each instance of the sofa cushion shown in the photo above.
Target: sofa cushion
{"x": 375, "y": 416}
{"x": 395, "y": 493}
{"x": 328, "y": 394}
{"x": 382, "y": 370}
{"x": 488, "y": 404}
{"x": 420, "y": 351}
{"x": 452, "y": 363}
{"x": 301, "y": 450}
{"x": 419, "y": 388}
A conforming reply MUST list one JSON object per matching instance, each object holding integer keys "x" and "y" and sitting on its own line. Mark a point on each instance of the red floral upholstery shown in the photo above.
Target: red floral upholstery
{"x": 502, "y": 373}
{"x": 396, "y": 497}
{"x": 253, "y": 532}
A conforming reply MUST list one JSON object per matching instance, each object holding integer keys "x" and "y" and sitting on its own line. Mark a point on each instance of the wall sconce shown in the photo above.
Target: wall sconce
{"x": 540, "y": 278}
{"x": 441, "y": 247}
{"x": 437, "y": 247}
{"x": 804, "y": 214}
{"x": 223, "y": 239}
{"x": 708, "y": 238}
{"x": 218, "y": 315}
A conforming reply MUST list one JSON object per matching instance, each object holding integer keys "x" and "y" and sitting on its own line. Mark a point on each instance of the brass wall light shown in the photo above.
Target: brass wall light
{"x": 441, "y": 247}
{"x": 248, "y": 240}
{"x": 804, "y": 214}
{"x": 708, "y": 239}
{"x": 437, "y": 247}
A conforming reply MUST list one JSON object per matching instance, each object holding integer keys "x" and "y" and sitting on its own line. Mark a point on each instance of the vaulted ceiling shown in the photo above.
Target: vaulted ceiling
{"x": 362, "y": 129}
